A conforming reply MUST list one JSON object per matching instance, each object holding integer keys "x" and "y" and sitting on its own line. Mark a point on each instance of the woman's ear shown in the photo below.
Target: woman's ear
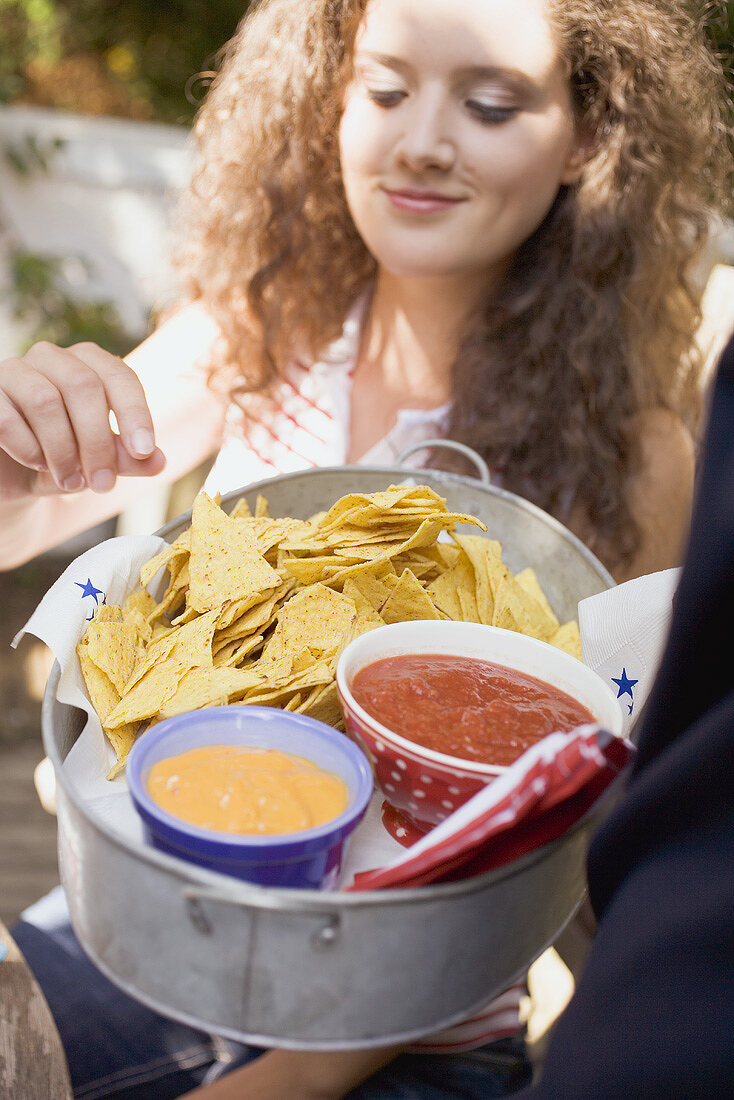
{"x": 583, "y": 149}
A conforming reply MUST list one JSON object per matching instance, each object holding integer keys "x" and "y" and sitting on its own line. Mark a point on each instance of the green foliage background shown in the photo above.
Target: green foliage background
{"x": 139, "y": 59}
{"x": 135, "y": 58}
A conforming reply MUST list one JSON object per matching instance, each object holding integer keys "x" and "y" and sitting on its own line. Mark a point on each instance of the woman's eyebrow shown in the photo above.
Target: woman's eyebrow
{"x": 382, "y": 59}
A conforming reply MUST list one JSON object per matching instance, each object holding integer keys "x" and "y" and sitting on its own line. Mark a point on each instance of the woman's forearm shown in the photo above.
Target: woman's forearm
{"x": 35, "y": 524}
{"x": 298, "y": 1075}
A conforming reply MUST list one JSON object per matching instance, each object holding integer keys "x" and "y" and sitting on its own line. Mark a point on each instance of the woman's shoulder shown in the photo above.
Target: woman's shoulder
{"x": 664, "y": 444}
{"x": 660, "y": 490}
{"x": 662, "y": 425}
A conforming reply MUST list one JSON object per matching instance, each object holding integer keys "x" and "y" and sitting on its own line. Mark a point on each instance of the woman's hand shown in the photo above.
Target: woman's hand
{"x": 55, "y": 432}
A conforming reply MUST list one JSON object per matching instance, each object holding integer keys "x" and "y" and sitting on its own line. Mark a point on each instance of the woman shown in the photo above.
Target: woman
{"x": 411, "y": 219}
{"x": 571, "y": 368}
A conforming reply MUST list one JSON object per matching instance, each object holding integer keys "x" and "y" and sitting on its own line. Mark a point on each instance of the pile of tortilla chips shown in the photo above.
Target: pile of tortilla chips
{"x": 257, "y": 610}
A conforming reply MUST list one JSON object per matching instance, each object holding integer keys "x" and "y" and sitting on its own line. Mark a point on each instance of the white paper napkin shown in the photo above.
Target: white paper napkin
{"x": 623, "y": 632}
{"x": 105, "y": 574}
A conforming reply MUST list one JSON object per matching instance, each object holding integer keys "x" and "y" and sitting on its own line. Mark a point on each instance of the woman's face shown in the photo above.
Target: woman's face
{"x": 456, "y": 134}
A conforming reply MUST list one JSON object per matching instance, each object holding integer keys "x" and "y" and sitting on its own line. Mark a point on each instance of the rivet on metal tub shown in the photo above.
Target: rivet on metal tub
{"x": 326, "y": 936}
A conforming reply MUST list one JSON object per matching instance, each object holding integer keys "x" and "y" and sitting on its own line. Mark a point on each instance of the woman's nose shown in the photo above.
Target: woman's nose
{"x": 427, "y": 141}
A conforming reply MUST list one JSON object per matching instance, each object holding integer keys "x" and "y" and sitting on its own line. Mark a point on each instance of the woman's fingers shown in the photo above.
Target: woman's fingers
{"x": 17, "y": 439}
{"x": 41, "y": 404}
{"x": 84, "y": 401}
{"x": 55, "y": 412}
{"x": 138, "y": 467}
{"x": 45, "y": 484}
{"x": 125, "y": 396}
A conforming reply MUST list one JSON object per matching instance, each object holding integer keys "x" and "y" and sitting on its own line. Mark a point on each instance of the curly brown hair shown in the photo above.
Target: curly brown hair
{"x": 596, "y": 318}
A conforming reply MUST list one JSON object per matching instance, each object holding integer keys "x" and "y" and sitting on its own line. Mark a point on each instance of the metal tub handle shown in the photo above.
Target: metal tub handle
{"x": 450, "y": 445}
{"x": 324, "y": 936}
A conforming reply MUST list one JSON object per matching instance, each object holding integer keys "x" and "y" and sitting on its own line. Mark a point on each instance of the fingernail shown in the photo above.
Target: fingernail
{"x": 142, "y": 441}
{"x": 103, "y": 481}
{"x": 71, "y": 484}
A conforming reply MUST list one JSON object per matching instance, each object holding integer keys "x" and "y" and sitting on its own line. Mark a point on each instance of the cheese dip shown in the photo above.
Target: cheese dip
{"x": 230, "y": 789}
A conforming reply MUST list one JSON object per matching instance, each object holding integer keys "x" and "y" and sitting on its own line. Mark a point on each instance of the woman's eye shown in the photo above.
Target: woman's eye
{"x": 386, "y": 98}
{"x": 490, "y": 112}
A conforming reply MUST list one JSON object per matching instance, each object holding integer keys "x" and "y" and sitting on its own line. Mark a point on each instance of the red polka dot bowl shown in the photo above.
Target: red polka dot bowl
{"x": 427, "y": 786}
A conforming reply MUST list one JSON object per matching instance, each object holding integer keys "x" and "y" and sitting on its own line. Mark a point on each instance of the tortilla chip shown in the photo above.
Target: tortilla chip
{"x": 186, "y": 616}
{"x": 468, "y": 604}
{"x": 484, "y": 555}
{"x": 323, "y": 705}
{"x": 102, "y": 692}
{"x": 366, "y": 616}
{"x": 233, "y": 653}
{"x": 241, "y": 510}
{"x": 515, "y": 610}
{"x": 225, "y": 563}
{"x": 107, "y": 613}
{"x": 568, "y": 639}
{"x": 316, "y": 617}
{"x": 309, "y": 571}
{"x": 254, "y": 619}
{"x": 529, "y": 582}
{"x": 156, "y": 677}
{"x": 104, "y": 697}
{"x": 444, "y": 594}
{"x": 142, "y": 627}
{"x": 207, "y": 687}
{"x": 408, "y": 601}
{"x": 114, "y": 647}
{"x": 140, "y": 601}
{"x": 374, "y": 591}
{"x": 122, "y": 741}
{"x": 179, "y": 549}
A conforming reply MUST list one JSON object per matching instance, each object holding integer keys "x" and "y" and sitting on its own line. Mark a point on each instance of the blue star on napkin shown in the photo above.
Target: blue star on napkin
{"x": 625, "y": 686}
{"x": 88, "y": 589}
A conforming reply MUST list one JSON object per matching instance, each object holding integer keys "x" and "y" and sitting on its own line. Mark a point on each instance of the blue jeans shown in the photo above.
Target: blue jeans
{"x": 116, "y": 1047}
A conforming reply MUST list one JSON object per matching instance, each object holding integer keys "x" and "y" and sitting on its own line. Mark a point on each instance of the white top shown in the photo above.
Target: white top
{"x": 304, "y": 422}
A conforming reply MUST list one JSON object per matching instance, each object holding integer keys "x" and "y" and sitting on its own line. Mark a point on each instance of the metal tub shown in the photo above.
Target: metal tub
{"x": 326, "y": 971}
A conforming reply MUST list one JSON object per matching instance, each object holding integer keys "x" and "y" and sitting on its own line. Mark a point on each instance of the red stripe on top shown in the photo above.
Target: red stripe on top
{"x": 428, "y": 1047}
{"x": 282, "y": 442}
{"x": 302, "y": 427}
{"x": 497, "y": 1020}
{"x": 308, "y": 399}
{"x": 490, "y": 1014}
{"x": 257, "y": 454}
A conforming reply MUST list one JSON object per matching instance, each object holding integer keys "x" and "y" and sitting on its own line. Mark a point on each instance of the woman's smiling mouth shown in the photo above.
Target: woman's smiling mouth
{"x": 420, "y": 202}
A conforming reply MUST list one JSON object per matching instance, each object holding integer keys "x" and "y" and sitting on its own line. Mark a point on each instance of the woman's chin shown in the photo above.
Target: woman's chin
{"x": 426, "y": 267}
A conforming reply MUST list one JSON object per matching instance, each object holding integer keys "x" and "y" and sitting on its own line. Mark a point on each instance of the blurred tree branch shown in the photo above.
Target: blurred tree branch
{"x": 133, "y": 58}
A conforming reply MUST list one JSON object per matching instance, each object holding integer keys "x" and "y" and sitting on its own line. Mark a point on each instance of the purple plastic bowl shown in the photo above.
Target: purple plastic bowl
{"x": 309, "y": 859}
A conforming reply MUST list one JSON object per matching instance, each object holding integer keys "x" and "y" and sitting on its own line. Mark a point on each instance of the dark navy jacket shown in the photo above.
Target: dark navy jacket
{"x": 653, "y": 1014}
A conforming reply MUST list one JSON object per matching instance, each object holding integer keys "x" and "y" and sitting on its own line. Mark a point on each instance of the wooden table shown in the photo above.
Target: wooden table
{"x": 32, "y": 1061}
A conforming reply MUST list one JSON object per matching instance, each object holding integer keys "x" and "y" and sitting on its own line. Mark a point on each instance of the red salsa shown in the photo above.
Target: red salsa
{"x": 463, "y": 706}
